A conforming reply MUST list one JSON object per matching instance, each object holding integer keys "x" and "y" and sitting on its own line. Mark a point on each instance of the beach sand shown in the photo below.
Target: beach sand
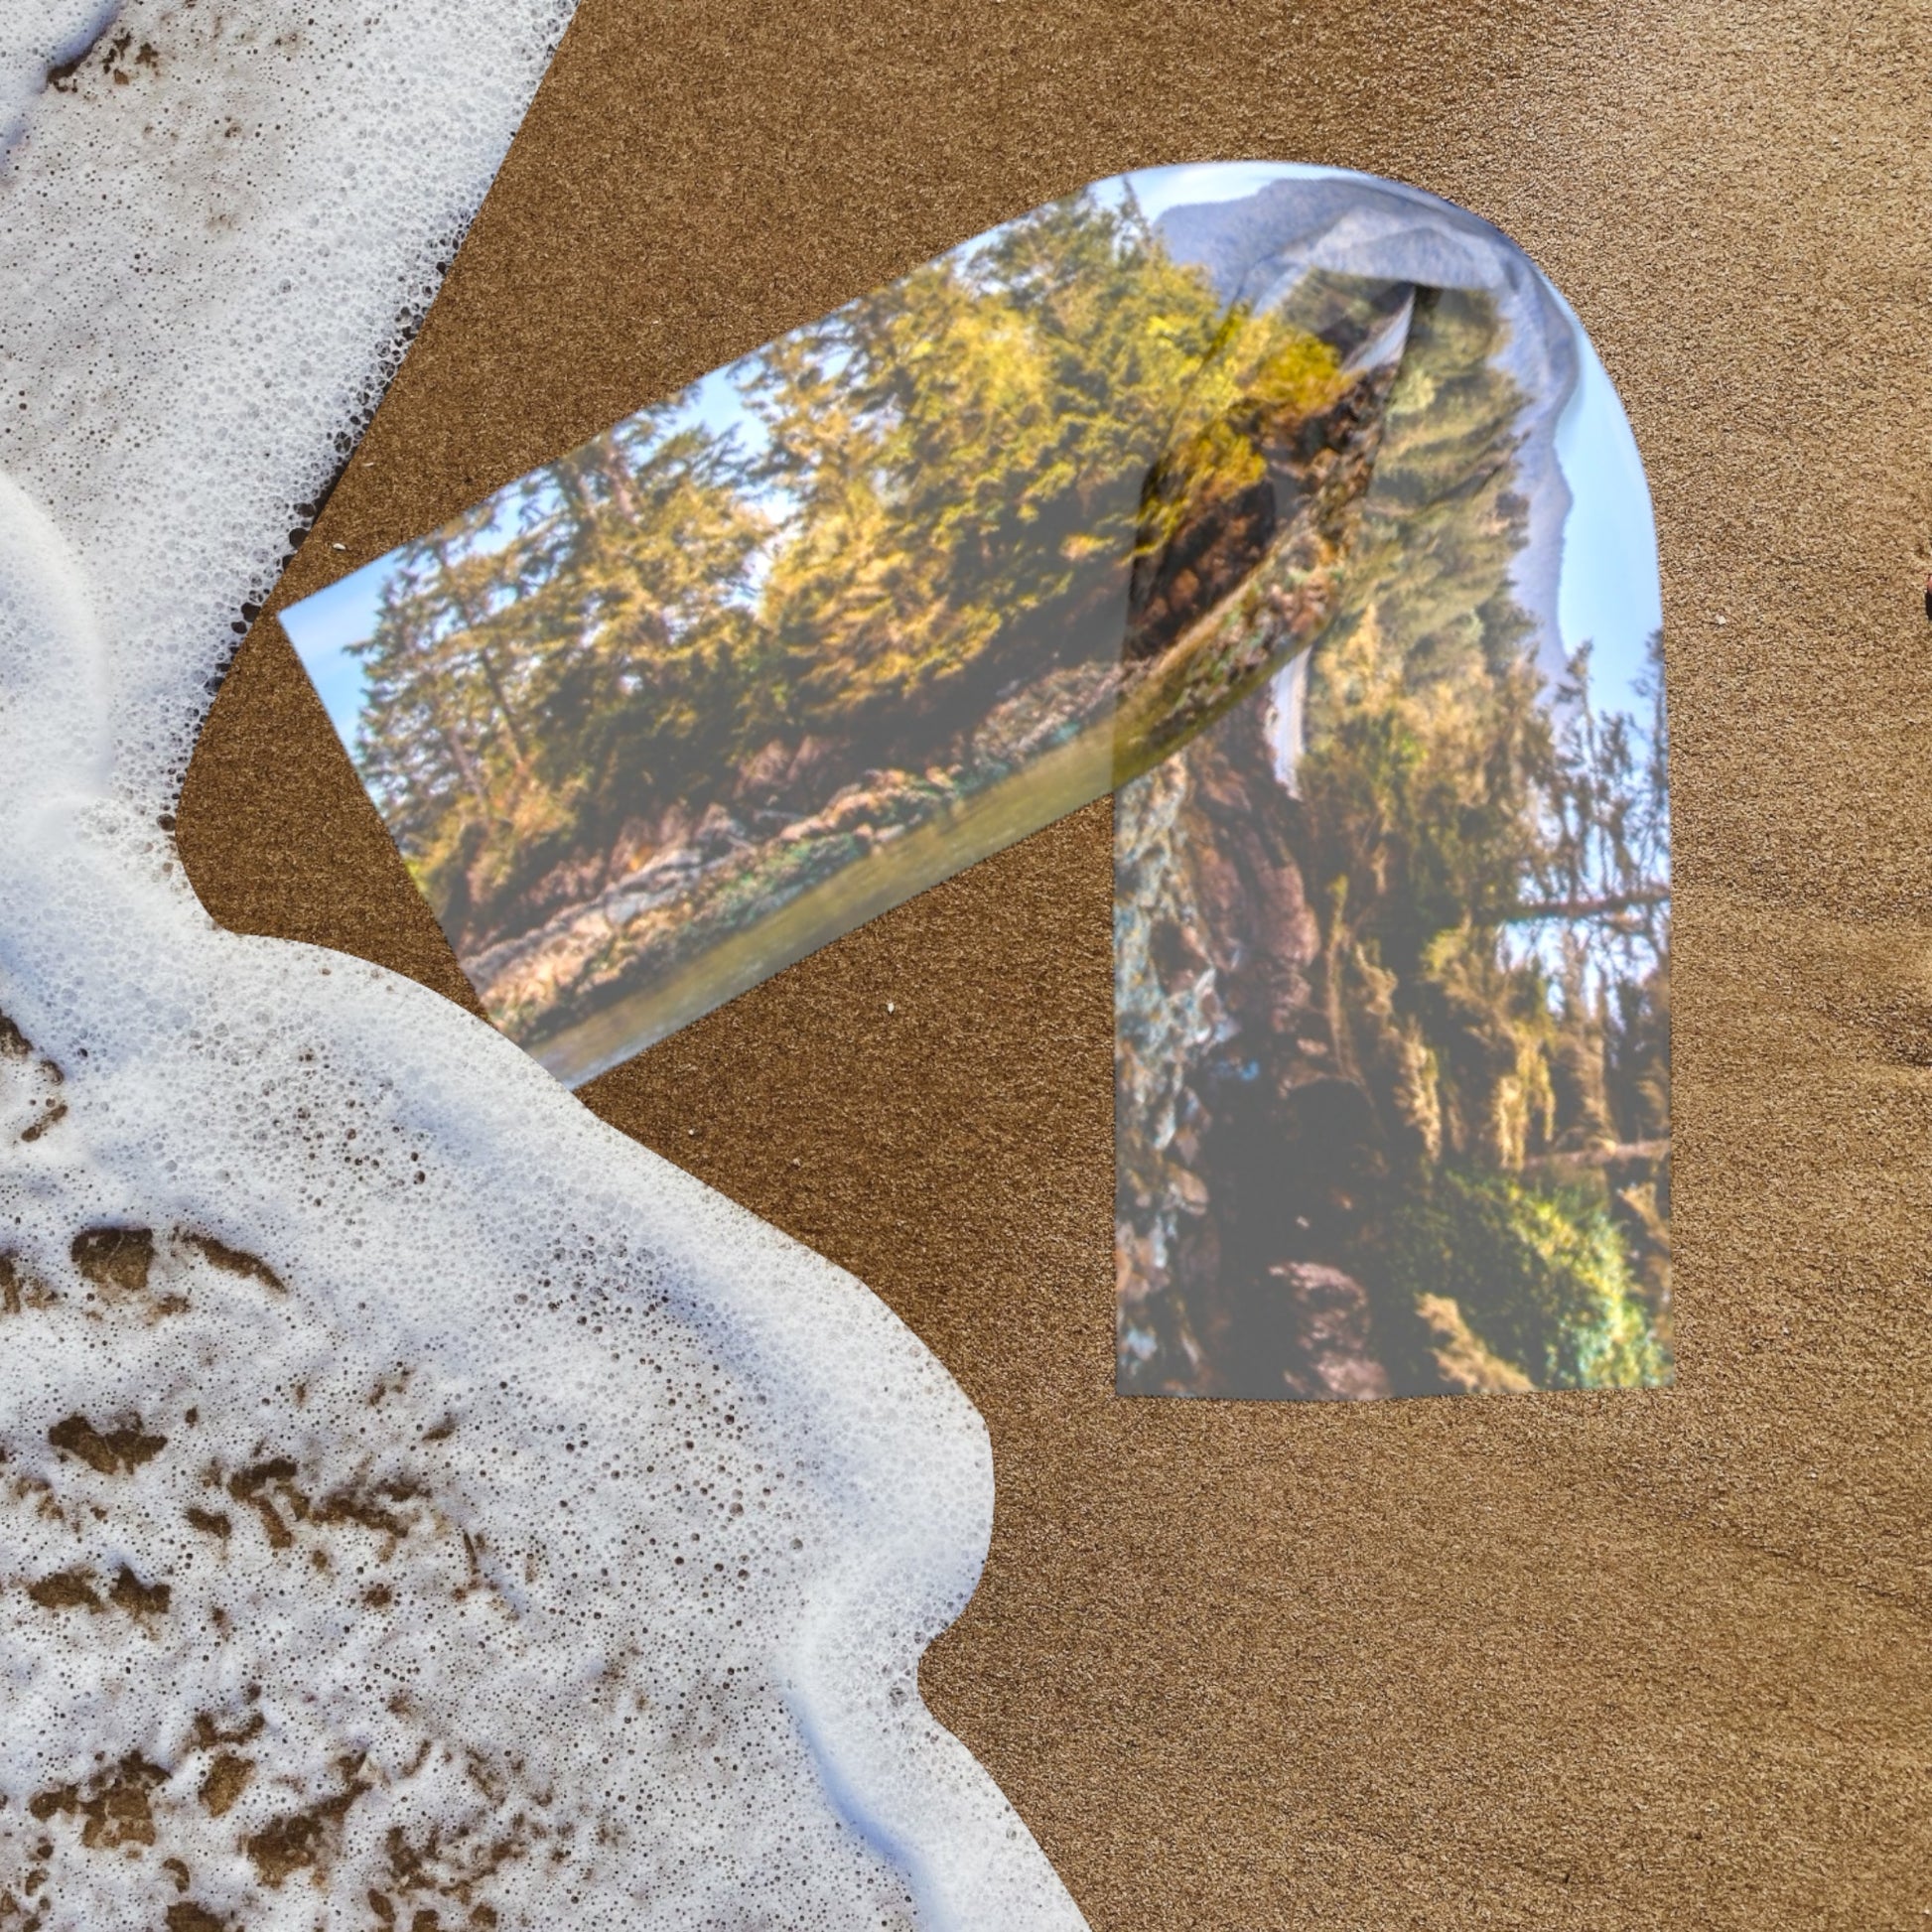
{"x": 1602, "y": 1661}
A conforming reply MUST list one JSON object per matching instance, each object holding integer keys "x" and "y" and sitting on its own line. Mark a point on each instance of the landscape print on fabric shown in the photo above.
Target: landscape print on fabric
{"x": 891, "y": 593}
{"x": 1291, "y": 505}
{"x": 1392, "y": 943}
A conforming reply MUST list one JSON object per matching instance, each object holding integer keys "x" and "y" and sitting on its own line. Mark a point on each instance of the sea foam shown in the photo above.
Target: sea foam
{"x": 419, "y": 1505}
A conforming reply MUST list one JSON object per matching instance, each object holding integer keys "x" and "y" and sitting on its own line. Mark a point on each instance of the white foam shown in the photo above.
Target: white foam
{"x": 582, "y": 1533}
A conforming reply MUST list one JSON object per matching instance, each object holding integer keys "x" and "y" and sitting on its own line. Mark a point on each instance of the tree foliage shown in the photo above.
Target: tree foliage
{"x": 940, "y": 493}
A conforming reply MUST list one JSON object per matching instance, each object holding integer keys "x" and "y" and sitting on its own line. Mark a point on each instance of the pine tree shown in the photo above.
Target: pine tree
{"x": 966, "y": 451}
{"x": 588, "y": 622}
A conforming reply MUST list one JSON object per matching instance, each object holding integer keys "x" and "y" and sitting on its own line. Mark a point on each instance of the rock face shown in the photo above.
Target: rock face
{"x": 1328, "y": 1336}
{"x": 1252, "y": 1140}
{"x": 1265, "y": 1111}
{"x": 1240, "y": 1140}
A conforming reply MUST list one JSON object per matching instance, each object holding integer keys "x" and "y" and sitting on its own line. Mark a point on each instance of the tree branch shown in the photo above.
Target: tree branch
{"x": 1604, "y": 1157}
{"x": 1586, "y": 908}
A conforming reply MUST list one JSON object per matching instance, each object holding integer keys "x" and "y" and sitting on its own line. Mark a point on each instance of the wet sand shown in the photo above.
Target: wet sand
{"x": 1609, "y": 1661}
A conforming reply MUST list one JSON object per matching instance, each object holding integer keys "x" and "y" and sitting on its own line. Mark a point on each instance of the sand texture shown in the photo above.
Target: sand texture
{"x": 1601, "y": 1662}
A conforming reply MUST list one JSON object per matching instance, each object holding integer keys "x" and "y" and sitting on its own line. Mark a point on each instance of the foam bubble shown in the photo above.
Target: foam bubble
{"x": 419, "y": 1505}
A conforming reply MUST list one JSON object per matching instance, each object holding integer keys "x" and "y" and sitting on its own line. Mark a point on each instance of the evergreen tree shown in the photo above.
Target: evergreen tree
{"x": 590, "y": 622}
{"x": 966, "y": 450}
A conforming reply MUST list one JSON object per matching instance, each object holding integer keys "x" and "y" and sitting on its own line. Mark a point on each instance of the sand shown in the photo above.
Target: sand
{"x": 1606, "y": 1661}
